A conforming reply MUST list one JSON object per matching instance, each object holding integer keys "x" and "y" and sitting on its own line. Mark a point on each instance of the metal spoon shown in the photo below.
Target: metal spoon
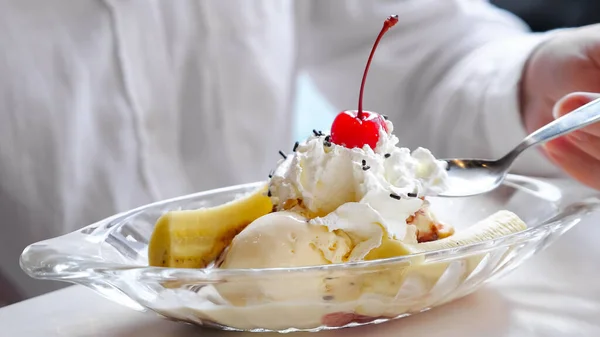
{"x": 468, "y": 177}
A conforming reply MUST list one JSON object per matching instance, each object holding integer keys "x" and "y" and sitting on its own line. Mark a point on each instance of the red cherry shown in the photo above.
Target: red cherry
{"x": 350, "y": 131}
{"x": 359, "y": 128}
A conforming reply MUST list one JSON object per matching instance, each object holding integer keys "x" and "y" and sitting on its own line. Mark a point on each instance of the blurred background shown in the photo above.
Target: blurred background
{"x": 542, "y": 15}
{"x": 312, "y": 111}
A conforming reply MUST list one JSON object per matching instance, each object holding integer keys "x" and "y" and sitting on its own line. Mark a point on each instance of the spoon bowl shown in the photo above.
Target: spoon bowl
{"x": 468, "y": 177}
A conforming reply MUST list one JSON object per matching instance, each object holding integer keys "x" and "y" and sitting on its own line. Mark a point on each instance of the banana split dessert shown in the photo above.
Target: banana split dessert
{"x": 347, "y": 195}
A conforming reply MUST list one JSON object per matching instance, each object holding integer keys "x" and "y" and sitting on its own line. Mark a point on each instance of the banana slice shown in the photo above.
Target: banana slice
{"x": 499, "y": 224}
{"x": 417, "y": 282}
{"x": 195, "y": 238}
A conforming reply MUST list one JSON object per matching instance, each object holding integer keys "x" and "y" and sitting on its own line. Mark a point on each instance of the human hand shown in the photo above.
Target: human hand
{"x": 562, "y": 75}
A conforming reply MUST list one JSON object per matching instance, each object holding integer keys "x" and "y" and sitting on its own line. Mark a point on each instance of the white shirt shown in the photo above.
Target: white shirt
{"x": 107, "y": 105}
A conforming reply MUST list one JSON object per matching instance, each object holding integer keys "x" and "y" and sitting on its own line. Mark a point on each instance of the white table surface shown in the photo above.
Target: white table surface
{"x": 556, "y": 293}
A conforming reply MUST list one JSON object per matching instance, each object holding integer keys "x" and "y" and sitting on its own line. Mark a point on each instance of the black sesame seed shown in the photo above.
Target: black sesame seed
{"x": 282, "y": 154}
{"x": 295, "y": 146}
{"x": 366, "y": 168}
{"x": 328, "y": 138}
{"x": 384, "y": 117}
{"x": 364, "y": 162}
{"x": 395, "y": 196}
{"x": 271, "y": 174}
{"x": 317, "y": 133}
{"x": 412, "y": 195}
{"x": 269, "y": 193}
{"x": 327, "y": 144}
{"x": 387, "y": 155}
{"x": 328, "y": 298}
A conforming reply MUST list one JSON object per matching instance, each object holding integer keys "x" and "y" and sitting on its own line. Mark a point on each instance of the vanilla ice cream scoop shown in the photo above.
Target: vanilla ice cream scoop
{"x": 286, "y": 239}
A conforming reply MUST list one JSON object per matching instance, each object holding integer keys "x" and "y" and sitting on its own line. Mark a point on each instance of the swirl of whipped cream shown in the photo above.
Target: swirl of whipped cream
{"x": 320, "y": 177}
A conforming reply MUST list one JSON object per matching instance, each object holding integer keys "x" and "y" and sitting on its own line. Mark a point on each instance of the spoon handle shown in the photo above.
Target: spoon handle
{"x": 576, "y": 119}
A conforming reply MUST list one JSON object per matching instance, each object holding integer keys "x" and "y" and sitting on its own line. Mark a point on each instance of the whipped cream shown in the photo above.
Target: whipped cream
{"x": 320, "y": 177}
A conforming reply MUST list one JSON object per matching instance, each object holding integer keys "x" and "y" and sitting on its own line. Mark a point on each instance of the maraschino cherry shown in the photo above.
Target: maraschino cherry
{"x": 359, "y": 128}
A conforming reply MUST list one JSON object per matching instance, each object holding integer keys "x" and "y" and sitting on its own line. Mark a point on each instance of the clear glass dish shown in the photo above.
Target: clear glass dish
{"x": 110, "y": 257}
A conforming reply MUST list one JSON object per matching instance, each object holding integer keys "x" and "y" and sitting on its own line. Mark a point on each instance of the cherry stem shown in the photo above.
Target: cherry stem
{"x": 387, "y": 24}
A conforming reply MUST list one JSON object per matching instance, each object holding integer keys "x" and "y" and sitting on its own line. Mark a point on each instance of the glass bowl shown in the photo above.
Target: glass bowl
{"x": 110, "y": 257}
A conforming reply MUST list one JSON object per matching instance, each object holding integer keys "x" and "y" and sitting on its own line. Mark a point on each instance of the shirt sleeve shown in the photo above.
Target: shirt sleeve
{"x": 447, "y": 74}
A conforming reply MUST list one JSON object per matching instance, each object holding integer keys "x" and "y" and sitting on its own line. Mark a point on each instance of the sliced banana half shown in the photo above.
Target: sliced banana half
{"x": 415, "y": 280}
{"x": 195, "y": 238}
{"x": 497, "y": 225}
